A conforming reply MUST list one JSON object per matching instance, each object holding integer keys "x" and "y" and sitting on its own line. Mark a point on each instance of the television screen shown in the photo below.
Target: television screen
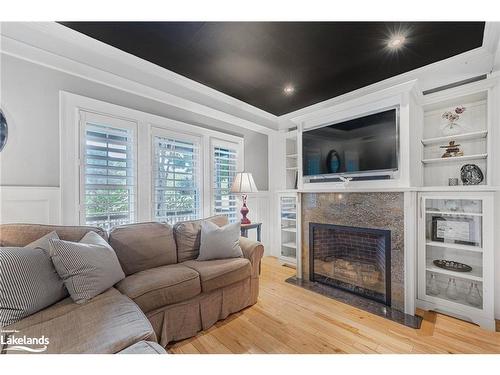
{"x": 364, "y": 144}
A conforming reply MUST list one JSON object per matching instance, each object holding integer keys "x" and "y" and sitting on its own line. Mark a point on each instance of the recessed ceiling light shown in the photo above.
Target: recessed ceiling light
{"x": 289, "y": 90}
{"x": 396, "y": 41}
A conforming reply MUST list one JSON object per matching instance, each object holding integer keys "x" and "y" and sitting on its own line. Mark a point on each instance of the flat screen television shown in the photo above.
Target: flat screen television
{"x": 366, "y": 145}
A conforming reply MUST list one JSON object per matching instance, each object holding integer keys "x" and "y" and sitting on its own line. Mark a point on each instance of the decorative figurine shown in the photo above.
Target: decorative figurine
{"x": 452, "y": 127}
{"x": 452, "y": 150}
{"x": 471, "y": 174}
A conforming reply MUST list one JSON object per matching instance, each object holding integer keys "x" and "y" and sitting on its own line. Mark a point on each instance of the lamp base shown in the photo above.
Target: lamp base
{"x": 244, "y": 211}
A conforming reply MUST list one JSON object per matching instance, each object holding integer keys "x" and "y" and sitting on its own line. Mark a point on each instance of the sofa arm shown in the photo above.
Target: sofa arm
{"x": 253, "y": 251}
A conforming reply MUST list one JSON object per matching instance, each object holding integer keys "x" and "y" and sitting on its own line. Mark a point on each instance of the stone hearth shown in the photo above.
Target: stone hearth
{"x": 378, "y": 210}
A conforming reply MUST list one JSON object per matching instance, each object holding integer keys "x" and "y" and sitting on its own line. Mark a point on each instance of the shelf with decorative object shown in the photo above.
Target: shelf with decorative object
{"x": 455, "y": 255}
{"x": 455, "y": 135}
{"x": 458, "y": 137}
{"x": 455, "y": 159}
{"x": 475, "y": 274}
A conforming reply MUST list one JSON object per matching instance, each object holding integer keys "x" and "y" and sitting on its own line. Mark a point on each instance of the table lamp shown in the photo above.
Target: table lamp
{"x": 243, "y": 183}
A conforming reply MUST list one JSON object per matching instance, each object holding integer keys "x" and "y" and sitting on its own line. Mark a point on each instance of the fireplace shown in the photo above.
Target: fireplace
{"x": 354, "y": 259}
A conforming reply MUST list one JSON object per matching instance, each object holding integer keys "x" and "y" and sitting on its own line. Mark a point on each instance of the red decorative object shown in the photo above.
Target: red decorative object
{"x": 243, "y": 183}
{"x": 244, "y": 211}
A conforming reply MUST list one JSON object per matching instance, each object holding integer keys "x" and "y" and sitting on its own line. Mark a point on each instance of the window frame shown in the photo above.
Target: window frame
{"x": 70, "y": 139}
{"x": 195, "y": 139}
{"x": 237, "y": 145}
{"x": 114, "y": 122}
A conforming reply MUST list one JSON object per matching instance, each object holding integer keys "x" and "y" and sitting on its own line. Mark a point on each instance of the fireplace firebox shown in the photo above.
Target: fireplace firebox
{"x": 354, "y": 259}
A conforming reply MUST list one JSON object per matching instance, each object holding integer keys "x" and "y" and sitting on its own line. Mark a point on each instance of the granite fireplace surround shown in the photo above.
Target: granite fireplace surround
{"x": 377, "y": 210}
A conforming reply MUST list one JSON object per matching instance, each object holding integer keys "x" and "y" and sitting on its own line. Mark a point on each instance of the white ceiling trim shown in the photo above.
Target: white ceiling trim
{"x": 33, "y": 53}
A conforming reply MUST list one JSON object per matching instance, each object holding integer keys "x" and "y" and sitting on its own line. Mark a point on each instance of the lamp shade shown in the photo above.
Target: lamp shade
{"x": 243, "y": 183}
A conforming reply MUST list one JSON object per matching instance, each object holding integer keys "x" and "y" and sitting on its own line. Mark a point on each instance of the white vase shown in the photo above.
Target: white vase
{"x": 452, "y": 128}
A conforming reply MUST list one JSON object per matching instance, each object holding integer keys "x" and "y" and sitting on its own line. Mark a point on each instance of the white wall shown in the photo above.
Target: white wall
{"x": 29, "y": 95}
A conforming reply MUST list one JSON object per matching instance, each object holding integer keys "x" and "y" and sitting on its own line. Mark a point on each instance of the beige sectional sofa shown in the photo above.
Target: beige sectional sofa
{"x": 166, "y": 296}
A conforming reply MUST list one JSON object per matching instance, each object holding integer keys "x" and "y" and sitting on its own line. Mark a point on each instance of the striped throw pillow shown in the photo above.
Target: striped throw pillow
{"x": 28, "y": 281}
{"x": 88, "y": 267}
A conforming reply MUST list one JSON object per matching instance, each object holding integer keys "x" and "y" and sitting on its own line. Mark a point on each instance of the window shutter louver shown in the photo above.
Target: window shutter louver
{"x": 176, "y": 174}
{"x": 109, "y": 178}
{"x": 225, "y": 168}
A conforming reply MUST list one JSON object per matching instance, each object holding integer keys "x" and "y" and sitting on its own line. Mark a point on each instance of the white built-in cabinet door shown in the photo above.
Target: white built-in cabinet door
{"x": 456, "y": 227}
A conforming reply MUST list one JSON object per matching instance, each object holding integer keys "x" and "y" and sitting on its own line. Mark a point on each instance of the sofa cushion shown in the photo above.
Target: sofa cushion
{"x": 188, "y": 235}
{"x": 63, "y": 307}
{"x": 143, "y": 246}
{"x": 215, "y": 274}
{"x": 23, "y": 234}
{"x": 161, "y": 286}
{"x": 144, "y": 347}
{"x": 88, "y": 267}
{"x": 106, "y": 324}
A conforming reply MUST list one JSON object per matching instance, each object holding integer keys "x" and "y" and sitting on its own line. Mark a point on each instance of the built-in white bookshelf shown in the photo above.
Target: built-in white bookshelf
{"x": 288, "y": 229}
{"x": 291, "y": 160}
{"x": 470, "y": 132}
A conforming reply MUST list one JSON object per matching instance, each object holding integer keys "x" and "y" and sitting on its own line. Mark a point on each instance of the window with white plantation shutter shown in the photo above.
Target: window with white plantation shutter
{"x": 108, "y": 175}
{"x": 225, "y": 166}
{"x": 176, "y": 179}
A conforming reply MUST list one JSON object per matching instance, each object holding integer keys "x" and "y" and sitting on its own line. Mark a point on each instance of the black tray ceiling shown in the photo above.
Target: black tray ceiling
{"x": 253, "y": 61}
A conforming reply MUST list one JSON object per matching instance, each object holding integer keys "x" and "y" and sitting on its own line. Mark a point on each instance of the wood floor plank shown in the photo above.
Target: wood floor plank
{"x": 428, "y": 323}
{"x": 289, "y": 319}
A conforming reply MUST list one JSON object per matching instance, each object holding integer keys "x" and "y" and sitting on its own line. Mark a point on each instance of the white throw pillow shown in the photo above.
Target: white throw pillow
{"x": 220, "y": 242}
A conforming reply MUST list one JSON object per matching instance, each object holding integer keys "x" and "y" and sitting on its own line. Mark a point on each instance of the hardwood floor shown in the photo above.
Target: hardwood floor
{"x": 288, "y": 319}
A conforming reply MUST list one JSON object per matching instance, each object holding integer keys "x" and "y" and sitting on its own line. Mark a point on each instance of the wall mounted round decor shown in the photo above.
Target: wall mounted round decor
{"x": 333, "y": 162}
{"x": 471, "y": 174}
{"x": 4, "y": 130}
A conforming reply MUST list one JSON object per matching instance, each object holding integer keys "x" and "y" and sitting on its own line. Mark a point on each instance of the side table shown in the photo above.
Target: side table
{"x": 246, "y": 227}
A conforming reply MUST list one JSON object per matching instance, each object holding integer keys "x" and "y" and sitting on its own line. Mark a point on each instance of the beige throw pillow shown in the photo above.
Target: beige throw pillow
{"x": 220, "y": 242}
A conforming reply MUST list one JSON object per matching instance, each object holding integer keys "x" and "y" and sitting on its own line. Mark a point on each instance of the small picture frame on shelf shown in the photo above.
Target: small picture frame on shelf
{"x": 458, "y": 230}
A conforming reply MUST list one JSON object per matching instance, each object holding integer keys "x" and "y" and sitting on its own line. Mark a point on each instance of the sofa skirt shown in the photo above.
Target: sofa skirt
{"x": 185, "y": 319}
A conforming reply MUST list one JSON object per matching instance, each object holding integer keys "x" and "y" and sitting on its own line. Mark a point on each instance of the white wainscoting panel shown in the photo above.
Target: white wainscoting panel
{"x": 30, "y": 204}
{"x": 260, "y": 211}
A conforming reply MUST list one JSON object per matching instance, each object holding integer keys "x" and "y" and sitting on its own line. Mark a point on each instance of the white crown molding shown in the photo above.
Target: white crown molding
{"x": 116, "y": 68}
{"x": 360, "y": 100}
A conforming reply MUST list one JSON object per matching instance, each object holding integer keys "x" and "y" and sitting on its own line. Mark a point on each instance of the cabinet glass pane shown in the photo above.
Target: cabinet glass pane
{"x": 472, "y": 259}
{"x": 454, "y": 229}
{"x": 455, "y": 289}
{"x": 468, "y": 206}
